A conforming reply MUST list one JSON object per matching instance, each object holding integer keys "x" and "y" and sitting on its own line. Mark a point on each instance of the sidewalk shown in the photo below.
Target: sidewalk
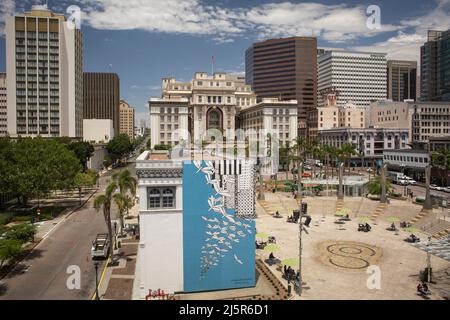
{"x": 118, "y": 280}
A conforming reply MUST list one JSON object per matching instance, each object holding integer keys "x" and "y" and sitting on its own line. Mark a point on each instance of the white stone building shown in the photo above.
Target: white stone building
{"x": 270, "y": 116}
{"x": 206, "y": 102}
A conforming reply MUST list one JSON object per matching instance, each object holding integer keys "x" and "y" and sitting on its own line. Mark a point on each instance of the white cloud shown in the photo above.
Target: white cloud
{"x": 7, "y": 8}
{"x": 401, "y": 47}
{"x": 406, "y": 46}
{"x": 154, "y": 87}
{"x": 334, "y": 23}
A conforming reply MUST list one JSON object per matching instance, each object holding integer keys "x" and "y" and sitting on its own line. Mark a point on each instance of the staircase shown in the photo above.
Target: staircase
{"x": 422, "y": 214}
{"x": 265, "y": 205}
{"x": 438, "y": 230}
{"x": 339, "y": 205}
{"x": 280, "y": 290}
{"x": 378, "y": 211}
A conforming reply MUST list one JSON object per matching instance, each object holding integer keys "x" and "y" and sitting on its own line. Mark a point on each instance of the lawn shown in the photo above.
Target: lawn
{"x": 25, "y": 215}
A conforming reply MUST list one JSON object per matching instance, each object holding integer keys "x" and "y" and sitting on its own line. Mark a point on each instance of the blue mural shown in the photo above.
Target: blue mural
{"x": 218, "y": 246}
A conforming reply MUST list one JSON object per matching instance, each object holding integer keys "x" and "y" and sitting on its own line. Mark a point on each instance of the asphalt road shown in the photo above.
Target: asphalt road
{"x": 43, "y": 274}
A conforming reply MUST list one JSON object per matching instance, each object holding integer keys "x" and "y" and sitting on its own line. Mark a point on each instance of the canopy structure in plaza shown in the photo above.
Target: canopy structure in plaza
{"x": 271, "y": 248}
{"x": 393, "y": 219}
{"x": 365, "y": 219}
{"x": 262, "y": 235}
{"x": 410, "y": 229}
{"x": 292, "y": 262}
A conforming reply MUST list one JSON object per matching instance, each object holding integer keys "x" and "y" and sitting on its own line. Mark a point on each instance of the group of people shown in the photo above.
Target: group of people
{"x": 413, "y": 238}
{"x": 392, "y": 227}
{"x": 260, "y": 245}
{"x": 290, "y": 274}
{"x": 292, "y": 219}
{"x": 364, "y": 227}
{"x": 405, "y": 224}
{"x": 272, "y": 239}
{"x": 423, "y": 289}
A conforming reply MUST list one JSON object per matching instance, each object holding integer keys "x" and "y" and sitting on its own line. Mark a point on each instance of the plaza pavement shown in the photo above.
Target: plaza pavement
{"x": 399, "y": 261}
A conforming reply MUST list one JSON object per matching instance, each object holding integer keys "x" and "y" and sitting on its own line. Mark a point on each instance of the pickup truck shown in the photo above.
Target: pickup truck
{"x": 100, "y": 246}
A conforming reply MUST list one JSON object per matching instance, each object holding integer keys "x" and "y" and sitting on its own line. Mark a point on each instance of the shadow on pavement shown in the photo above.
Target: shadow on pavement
{"x": 3, "y": 288}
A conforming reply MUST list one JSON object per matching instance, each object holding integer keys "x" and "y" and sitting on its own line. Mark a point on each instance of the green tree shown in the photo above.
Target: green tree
{"x": 126, "y": 184}
{"x": 22, "y": 233}
{"x": 8, "y": 250}
{"x": 83, "y": 180}
{"x": 161, "y": 147}
{"x": 119, "y": 147}
{"x": 103, "y": 201}
{"x": 374, "y": 186}
{"x": 441, "y": 161}
{"x": 123, "y": 203}
{"x": 347, "y": 150}
{"x": 83, "y": 150}
{"x": 31, "y": 168}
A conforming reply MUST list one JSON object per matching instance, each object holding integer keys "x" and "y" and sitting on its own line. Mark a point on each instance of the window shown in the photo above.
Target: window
{"x": 161, "y": 198}
{"x": 154, "y": 198}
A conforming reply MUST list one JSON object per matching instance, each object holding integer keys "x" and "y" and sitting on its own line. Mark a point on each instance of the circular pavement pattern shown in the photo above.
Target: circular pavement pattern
{"x": 349, "y": 255}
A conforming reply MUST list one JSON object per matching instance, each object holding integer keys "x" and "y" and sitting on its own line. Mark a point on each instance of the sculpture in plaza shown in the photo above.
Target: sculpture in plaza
{"x": 427, "y": 204}
{"x": 340, "y": 194}
{"x": 383, "y": 198}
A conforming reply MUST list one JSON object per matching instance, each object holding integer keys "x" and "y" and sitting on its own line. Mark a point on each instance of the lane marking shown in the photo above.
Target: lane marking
{"x": 101, "y": 278}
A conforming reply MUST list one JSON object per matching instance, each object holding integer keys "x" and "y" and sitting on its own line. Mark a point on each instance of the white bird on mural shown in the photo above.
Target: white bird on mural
{"x": 237, "y": 259}
{"x": 198, "y": 165}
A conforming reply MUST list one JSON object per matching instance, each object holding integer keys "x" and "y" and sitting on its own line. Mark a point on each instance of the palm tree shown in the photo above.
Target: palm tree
{"x": 125, "y": 182}
{"x": 374, "y": 186}
{"x": 347, "y": 150}
{"x": 123, "y": 203}
{"x": 104, "y": 201}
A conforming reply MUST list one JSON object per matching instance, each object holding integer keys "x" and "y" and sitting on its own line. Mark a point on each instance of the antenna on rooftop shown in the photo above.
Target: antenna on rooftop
{"x": 212, "y": 65}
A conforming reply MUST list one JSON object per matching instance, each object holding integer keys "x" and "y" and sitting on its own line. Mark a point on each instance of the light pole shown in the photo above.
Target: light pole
{"x": 428, "y": 261}
{"x": 300, "y": 228}
{"x": 403, "y": 173}
{"x": 96, "y": 281}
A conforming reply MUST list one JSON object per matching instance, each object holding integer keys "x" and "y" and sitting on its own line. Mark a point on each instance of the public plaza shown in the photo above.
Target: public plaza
{"x": 336, "y": 256}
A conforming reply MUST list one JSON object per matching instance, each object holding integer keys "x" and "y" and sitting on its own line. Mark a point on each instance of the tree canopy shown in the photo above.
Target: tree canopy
{"x": 119, "y": 147}
{"x": 31, "y": 168}
{"x": 83, "y": 150}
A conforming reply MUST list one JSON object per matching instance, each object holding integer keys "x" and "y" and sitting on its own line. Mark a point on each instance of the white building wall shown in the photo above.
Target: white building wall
{"x": 161, "y": 232}
{"x": 98, "y": 130}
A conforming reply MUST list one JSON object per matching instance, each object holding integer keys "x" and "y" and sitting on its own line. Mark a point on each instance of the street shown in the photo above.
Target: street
{"x": 43, "y": 273}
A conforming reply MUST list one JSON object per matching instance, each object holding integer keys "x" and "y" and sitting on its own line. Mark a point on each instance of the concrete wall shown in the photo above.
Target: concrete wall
{"x": 98, "y": 130}
{"x": 96, "y": 161}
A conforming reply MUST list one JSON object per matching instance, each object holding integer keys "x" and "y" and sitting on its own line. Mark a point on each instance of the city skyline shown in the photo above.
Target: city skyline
{"x": 225, "y": 29}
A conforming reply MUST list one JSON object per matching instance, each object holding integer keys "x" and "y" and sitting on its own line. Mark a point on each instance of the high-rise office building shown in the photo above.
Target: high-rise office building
{"x": 44, "y": 63}
{"x": 435, "y": 67}
{"x": 3, "y": 106}
{"x": 285, "y": 69}
{"x": 126, "y": 119}
{"x": 401, "y": 80}
{"x": 102, "y": 97}
{"x": 358, "y": 77}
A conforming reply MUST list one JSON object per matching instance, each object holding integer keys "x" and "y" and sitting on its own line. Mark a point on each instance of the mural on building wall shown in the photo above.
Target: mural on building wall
{"x": 218, "y": 225}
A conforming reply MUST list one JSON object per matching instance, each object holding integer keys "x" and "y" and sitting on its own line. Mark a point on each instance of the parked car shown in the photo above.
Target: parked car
{"x": 435, "y": 187}
{"x": 402, "y": 182}
{"x": 100, "y": 246}
{"x": 447, "y": 189}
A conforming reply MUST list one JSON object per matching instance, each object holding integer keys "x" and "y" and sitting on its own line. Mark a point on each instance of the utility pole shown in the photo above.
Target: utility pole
{"x": 300, "y": 228}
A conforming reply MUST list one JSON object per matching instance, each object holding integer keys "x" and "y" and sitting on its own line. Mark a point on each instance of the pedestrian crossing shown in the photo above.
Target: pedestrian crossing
{"x": 439, "y": 248}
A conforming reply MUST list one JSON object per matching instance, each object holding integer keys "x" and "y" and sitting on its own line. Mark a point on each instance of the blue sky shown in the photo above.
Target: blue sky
{"x": 145, "y": 40}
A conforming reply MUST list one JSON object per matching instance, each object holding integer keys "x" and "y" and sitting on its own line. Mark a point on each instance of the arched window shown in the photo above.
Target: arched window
{"x": 154, "y": 198}
{"x": 214, "y": 120}
{"x": 168, "y": 198}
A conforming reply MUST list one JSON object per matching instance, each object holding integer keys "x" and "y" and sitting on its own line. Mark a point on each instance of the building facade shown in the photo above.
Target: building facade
{"x": 429, "y": 119}
{"x": 436, "y": 144}
{"x": 369, "y": 142}
{"x": 98, "y": 130}
{"x": 3, "y": 106}
{"x": 358, "y": 77}
{"x": 126, "y": 119}
{"x": 435, "y": 67}
{"x": 278, "y": 118}
{"x": 182, "y": 204}
{"x": 44, "y": 61}
{"x": 401, "y": 80}
{"x": 102, "y": 97}
{"x": 285, "y": 69}
{"x": 192, "y": 108}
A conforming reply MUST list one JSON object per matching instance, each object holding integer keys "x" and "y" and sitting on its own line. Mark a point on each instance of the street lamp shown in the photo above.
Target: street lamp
{"x": 403, "y": 173}
{"x": 96, "y": 281}
{"x": 300, "y": 227}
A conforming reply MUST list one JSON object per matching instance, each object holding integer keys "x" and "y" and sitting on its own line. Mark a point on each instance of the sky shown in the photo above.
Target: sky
{"x": 145, "y": 40}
